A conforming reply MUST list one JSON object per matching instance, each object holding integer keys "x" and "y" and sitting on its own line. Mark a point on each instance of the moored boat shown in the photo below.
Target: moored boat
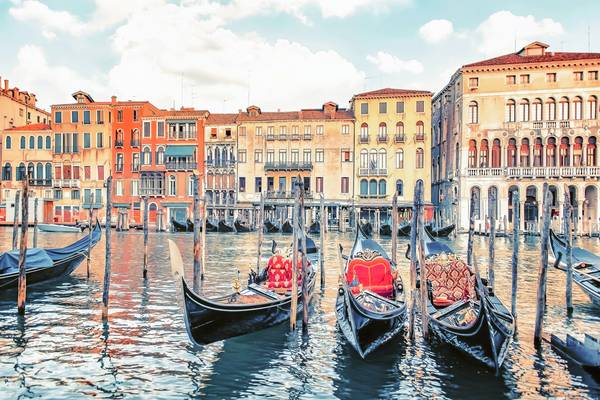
{"x": 366, "y": 227}
{"x": 42, "y": 265}
{"x": 210, "y": 227}
{"x": 586, "y": 354}
{"x": 404, "y": 229}
{"x": 272, "y": 227}
{"x": 370, "y": 305}
{"x": 241, "y": 227}
{"x": 179, "y": 227}
{"x": 440, "y": 232}
{"x": 287, "y": 227}
{"x": 315, "y": 228}
{"x": 385, "y": 230}
{"x": 224, "y": 227}
{"x": 59, "y": 228}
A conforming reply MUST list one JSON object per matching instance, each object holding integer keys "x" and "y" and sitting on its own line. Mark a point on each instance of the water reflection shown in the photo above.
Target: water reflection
{"x": 63, "y": 347}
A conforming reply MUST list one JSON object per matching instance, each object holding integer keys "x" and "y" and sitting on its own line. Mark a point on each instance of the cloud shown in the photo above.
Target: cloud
{"x": 390, "y": 64}
{"x": 498, "y": 33}
{"x": 436, "y": 30}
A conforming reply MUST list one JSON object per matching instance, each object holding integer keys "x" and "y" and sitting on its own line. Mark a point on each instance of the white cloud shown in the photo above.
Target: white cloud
{"x": 436, "y": 30}
{"x": 498, "y": 33}
{"x": 390, "y": 64}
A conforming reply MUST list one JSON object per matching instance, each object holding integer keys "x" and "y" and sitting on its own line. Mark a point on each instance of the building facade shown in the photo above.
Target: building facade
{"x": 512, "y": 123}
{"x": 19, "y": 108}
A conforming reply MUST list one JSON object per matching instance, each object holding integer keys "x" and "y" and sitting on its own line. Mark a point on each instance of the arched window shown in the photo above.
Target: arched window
{"x": 399, "y": 159}
{"x": 372, "y": 159}
{"x": 472, "y": 153}
{"x": 524, "y": 110}
{"x": 551, "y": 109}
{"x": 364, "y": 159}
{"x": 420, "y": 158}
{"x": 511, "y": 153}
{"x": 8, "y": 142}
{"x": 190, "y": 185}
{"x": 591, "y": 152}
{"x": 382, "y": 131}
{"x": 592, "y": 107}
{"x": 364, "y": 131}
{"x": 172, "y": 186}
{"x": 48, "y": 168}
{"x": 39, "y": 171}
{"x": 473, "y": 112}
{"x": 551, "y": 152}
{"x": 40, "y": 142}
{"x": 400, "y": 129}
{"x": 578, "y": 152}
{"x": 20, "y": 172}
{"x": 31, "y": 142}
{"x": 564, "y": 152}
{"x": 135, "y": 137}
{"x": 48, "y": 143}
{"x": 511, "y": 111}
{"x": 483, "y": 154}
{"x": 420, "y": 130}
{"x": 160, "y": 155}
{"x": 493, "y": 206}
{"x": 564, "y": 108}
{"x": 364, "y": 187}
{"x": 119, "y": 139}
{"x": 382, "y": 187}
{"x": 578, "y": 108}
{"x": 524, "y": 153}
{"x": 400, "y": 187}
{"x": 496, "y": 154}
{"x": 537, "y": 110}
{"x": 382, "y": 159}
{"x": 31, "y": 170}
{"x": 476, "y": 195}
{"x": 146, "y": 156}
{"x": 373, "y": 188}
{"x": 7, "y": 172}
{"x": 538, "y": 152}
{"x": 23, "y": 143}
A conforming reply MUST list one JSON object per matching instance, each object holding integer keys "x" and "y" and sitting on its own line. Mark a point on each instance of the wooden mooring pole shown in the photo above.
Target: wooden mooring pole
{"x": 541, "y": 290}
{"x": 302, "y": 232}
{"x": 145, "y": 271}
{"x": 471, "y": 230}
{"x": 197, "y": 234}
{"x": 16, "y": 220}
{"x": 35, "y": 222}
{"x": 492, "y": 212}
{"x": 567, "y": 208}
{"x": 322, "y": 240}
{"x": 204, "y": 219}
{"x": 394, "y": 227}
{"x": 260, "y": 221}
{"x": 107, "y": 252}
{"x": 422, "y": 266}
{"x": 413, "y": 259}
{"x": 22, "y": 289}
{"x": 515, "y": 256}
{"x": 89, "y": 252}
{"x": 294, "y": 303}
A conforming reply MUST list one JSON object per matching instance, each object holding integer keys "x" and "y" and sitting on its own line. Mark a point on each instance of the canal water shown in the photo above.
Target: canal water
{"x": 62, "y": 348}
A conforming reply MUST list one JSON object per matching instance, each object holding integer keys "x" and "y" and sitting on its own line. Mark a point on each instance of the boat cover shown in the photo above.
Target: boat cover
{"x": 36, "y": 258}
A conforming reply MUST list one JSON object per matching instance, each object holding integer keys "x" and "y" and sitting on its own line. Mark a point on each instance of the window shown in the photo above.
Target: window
{"x": 241, "y": 156}
{"x": 564, "y": 108}
{"x": 258, "y": 156}
{"x": 537, "y": 109}
{"x": 346, "y": 155}
{"x": 99, "y": 117}
{"x": 31, "y": 142}
{"x": 119, "y": 115}
{"x": 119, "y": 166}
{"x": 306, "y": 156}
{"x": 551, "y": 77}
{"x": 57, "y": 143}
{"x": 382, "y": 187}
{"x": 172, "y": 186}
{"x": 400, "y": 159}
{"x": 420, "y": 106}
{"x": 8, "y": 142}
{"x": 40, "y": 143}
{"x": 511, "y": 79}
{"x": 295, "y": 156}
{"x": 345, "y": 184}
{"x": 592, "y": 107}
{"x": 364, "y": 130}
{"x": 87, "y": 172}
{"x": 420, "y": 158}
{"x": 242, "y": 131}
{"x": 511, "y": 111}
{"x": 86, "y": 141}
{"x": 307, "y": 130}
{"x": 364, "y": 108}
{"x": 525, "y": 78}
{"x": 58, "y": 194}
{"x": 578, "y": 107}
{"x": 190, "y": 185}
{"x": 135, "y": 162}
{"x": 270, "y": 156}
{"x": 7, "y": 172}
{"x": 86, "y": 117}
{"x": 473, "y": 112}
{"x": 383, "y": 108}
{"x": 258, "y": 131}
{"x": 473, "y": 82}
{"x": 319, "y": 184}
{"x": 146, "y": 129}
{"x": 135, "y": 115}
{"x": 75, "y": 194}
{"x": 100, "y": 172}
{"x": 74, "y": 117}
{"x": 119, "y": 187}
{"x": 23, "y": 143}
{"x": 551, "y": 109}
{"x": 400, "y": 187}
{"x": 258, "y": 184}
{"x": 160, "y": 156}
{"x": 578, "y": 75}
{"x": 399, "y": 107}
{"x": 320, "y": 129}
{"x": 99, "y": 140}
{"x": 242, "y": 184}
{"x": 319, "y": 155}
{"x": 135, "y": 188}
{"x": 75, "y": 143}
{"x": 160, "y": 129}
{"x": 593, "y": 75}
{"x": 420, "y": 130}
{"x": 382, "y": 131}
{"x": 282, "y": 156}
{"x": 364, "y": 187}
{"x": 58, "y": 117}
{"x": 524, "y": 110}
{"x": 345, "y": 129}
{"x": 146, "y": 156}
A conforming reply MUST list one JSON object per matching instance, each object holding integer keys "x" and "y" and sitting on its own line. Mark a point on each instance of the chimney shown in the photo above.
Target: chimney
{"x": 113, "y": 99}
{"x": 6, "y": 84}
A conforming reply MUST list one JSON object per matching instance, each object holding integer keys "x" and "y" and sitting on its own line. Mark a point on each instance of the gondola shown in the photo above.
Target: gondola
{"x": 46, "y": 264}
{"x": 190, "y": 225}
{"x": 271, "y": 227}
{"x": 366, "y": 227}
{"x": 385, "y": 230}
{"x": 462, "y": 312}
{"x": 224, "y": 227}
{"x": 179, "y": 227}
{"x": 370, "y": 305}
{"x": 263, "y": 303}
{"x": 443, "y": 232}
{"x": 241, "y": 227}
{"x": 210, "y": 227}
{"x": 60, "y": 228}
{"x": 586, "y": 354}
{"x": 586, "y": 266}
{"x": 315, "y": 228}
{"x": 404, "y": 229}
{"x": 287, "y": 227}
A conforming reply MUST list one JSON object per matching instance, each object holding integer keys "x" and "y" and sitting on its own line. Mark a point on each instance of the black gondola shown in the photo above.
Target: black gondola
{"x": 46, "y": 264}
{"x": 272, "y": 227}
{"x": 404, "y": 229}
{"x": 210, "y": 227}
{"x": 179, "y": 227}
{"x": 463, "y": 313}
{"x": 371, "y": 308}
{"x": 385, "y": 230}
{"x": 224, "y": 227}
{"x": 265, "y": 302}
{"x": 367, "y": 228}
{"x": 241, "y": 227}
{"x": 287, "y": 227}
{"x": 190, "y": 225}
{"x": 586, "y": 266}
{"x": 443, "y": 232}
{"x": 315, "y": 228}
{"x": 586, "y": 354}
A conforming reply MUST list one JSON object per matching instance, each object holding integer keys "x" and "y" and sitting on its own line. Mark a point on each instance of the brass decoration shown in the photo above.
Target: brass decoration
{"x": 367, "y": 254}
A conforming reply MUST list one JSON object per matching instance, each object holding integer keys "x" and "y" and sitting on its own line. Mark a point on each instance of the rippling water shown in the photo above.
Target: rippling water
{"x": 63, "y": 348}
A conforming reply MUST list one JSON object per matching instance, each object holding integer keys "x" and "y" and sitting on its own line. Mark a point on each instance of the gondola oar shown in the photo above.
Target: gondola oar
{"x": 483, "y": 300}
{"x": 176, "y": 260}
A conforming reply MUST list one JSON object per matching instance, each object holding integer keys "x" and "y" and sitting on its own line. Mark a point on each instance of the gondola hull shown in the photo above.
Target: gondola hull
{"x": 404, "y": 230}
{"x": 315, "y": 228}
{"x": 287, "y": 227}
{"x": 224, "y": 227}
{"x": 271, "y": 228}
{"x": 439, "y": 232}
{"x": 179, "y": 227}
{"x": 367, "y": 228}
{"x": 59, "y": 228}
{"x": 211, "y": 227}
{"x": 242, "y": 228}
{"x": 385, "y": 230}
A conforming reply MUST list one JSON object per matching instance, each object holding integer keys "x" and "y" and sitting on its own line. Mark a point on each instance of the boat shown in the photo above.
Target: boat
{"x": 263, "y": 303}
{"x": 42, "y": 265}
{"x": 586, "y": 266}
{"x": 210, "y": 227}
{"x": 462, "y": 311}
{"x": 272, "y": 227}
{"x": 60, "y": 228}
{"x": 440, "y": 232}
{"x": 241, "y": 227}
{"x": 366, "y": 227}
{"x": 404, "y": 229}
{"x": 585, "y": 354}
{"x": 224, "y": 227}
{"x": 385, "y": 230}
{"x": 315, "y": 228}
{"x": 370, "y": 305}
{"x": 287, "y": 227}
{"x": 179, "y": 227}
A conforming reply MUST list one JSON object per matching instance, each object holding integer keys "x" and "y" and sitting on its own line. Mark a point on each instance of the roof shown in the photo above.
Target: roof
{"x": 30, "y": 128}
{"x": 221, "y": 119}
{"x": 517, "y": 58}
{"x": 307, "y": 114}
{"x": 391, "y": 92}
{"x": 186, "y": 112}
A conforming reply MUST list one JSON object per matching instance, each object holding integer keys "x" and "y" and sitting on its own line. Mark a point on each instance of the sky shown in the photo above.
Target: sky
{"x": 223, "y": 55}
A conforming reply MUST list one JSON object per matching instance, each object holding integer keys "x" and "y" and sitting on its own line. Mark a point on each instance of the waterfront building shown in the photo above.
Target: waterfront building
{"x": 393, "y": 142}
{"x": 511, "y": 123}
{"x": 18, "y": 108}
{"x": 277, "y": 148}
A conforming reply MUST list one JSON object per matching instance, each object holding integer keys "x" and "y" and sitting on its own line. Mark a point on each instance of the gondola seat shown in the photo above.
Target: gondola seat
{"x": 280, "y": 272}
{"x": 375, "y": 275}
{"x": 451, "y": 280}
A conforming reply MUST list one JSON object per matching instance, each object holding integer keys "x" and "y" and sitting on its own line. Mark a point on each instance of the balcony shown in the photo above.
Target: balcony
{"x": 96, "y": 205}
{"x": 275, "y": 195}
{"x": 65, "y": 183}
{"x": 40, "y": 182}
{"x": 308, "y": 136}
{"x": 181, "y": 165}
{"x": 363, "y": 139}
{"x": 270, "y": 137}
{"x": 288, "y": 166}
{"x": 372, "y": 172}
{"x": 220, "y": 164}
{"x": 295, "y": 137}
{"x": 153, "y": 192}
{"x": 118, "y": 143}
{"x": 420, "y": 137}
{"x": 282, "y": 136}
{"x": 382, "y": 138}
{"x": 399, "y": 138}
{"x": 535, "y": 172}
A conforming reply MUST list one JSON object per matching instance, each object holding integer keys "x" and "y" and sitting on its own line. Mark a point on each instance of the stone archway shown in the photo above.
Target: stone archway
{"x": 531, "y": 204}
{"x": 590, "y": 208}
{"x": 511, "y": 190}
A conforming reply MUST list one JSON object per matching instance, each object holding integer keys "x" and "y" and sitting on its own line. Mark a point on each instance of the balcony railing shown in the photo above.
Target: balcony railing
{"x": 65, "y": 183}
{"x": 40, "y": 182}
{"x": 420, "y": 137}
{"x": 372, "y": 172}
{"x": 87, "y": 204}
{"x": 282, "y": 136}
{"x": 220, "y": 164}
{"x": 535, "y": 172}
{"x": 382, "y": 138}
{"x": 286, "y": 195}
{"x": 118, "y": 143}
{"x": 363, "y": 139}
{"x": 295, "y": 137}
{"x": 399, "y": 138}
{"x": 181, "y": 165}
{"x": 308, "y": 136}
{"x": 288, "y": 166}
{"x": 270, "y": 137}
{"x": 152, "y": 192}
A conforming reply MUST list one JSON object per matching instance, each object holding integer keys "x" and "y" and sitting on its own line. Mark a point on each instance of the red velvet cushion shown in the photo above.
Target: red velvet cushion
{"x": 278, "y": 273}
{"x": 451, "y": 279}
{"x": 374, "y": 275}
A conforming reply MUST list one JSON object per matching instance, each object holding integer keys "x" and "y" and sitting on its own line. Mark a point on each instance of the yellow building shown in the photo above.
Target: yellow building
{"x": 26, "y": 150}
{"x": 392, "y": 148}
{"x": 512, "y": 123}
{"x": 316, "y": 145}
{"x": 18, "y": 108}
